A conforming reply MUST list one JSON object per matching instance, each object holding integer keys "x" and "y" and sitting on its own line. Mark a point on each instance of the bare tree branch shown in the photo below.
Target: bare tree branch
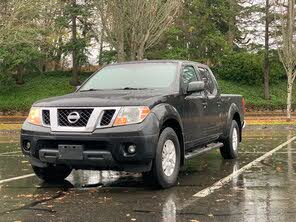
{"x": 133, "y": 26}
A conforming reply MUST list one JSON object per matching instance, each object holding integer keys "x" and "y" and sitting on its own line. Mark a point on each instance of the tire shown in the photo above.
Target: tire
{"x": 231, "y": 144}
{"x": 166, "y": 165}
{"x": 52, "y": 173}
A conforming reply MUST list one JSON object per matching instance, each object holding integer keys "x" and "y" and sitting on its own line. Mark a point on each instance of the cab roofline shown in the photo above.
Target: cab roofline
{"x": 180, "y": 62}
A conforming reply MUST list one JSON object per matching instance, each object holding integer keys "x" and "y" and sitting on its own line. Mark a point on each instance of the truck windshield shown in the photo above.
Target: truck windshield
{"x": 132, "y": 77}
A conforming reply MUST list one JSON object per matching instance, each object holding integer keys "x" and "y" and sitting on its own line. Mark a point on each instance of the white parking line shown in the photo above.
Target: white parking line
{"x": 219, "y": 184}
{"x": 16, "y": 178}
{"x": 205, "y": 192}
{"x": 282, "y": 152}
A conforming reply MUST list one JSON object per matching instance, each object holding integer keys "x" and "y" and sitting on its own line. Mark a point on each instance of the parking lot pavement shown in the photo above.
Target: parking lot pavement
{"x": 263, "y": 192}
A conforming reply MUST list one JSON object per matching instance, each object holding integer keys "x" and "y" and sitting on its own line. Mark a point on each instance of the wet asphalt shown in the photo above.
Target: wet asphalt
{"x": 265, "y": 192}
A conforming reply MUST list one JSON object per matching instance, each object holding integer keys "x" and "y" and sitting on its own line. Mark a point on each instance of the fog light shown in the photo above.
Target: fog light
{"x": 27, "y": 145}
{"x": 131, "y": 149}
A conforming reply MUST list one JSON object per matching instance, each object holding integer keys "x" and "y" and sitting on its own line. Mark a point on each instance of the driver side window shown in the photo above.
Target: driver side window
{"x": 188, "y": 75}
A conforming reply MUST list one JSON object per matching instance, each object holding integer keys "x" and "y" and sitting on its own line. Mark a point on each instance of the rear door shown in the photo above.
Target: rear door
{"x": 213, "y": 108}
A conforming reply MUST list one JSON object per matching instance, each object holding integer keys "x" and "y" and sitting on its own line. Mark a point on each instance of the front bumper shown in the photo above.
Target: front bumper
{"x": 104, "y": 149}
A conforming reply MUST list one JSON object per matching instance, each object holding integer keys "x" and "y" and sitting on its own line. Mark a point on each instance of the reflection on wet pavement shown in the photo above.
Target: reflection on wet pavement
{"x": 263, "y": 193}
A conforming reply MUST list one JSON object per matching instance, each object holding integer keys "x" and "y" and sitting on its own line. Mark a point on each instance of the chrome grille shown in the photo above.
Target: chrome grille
{"x": 107, "y": 117}
{"x": 46, "y": 117}
{"x": 82, "y": 122}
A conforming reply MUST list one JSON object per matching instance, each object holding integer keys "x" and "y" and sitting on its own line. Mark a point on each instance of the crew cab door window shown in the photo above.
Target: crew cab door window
{"x": 210, "y": 85}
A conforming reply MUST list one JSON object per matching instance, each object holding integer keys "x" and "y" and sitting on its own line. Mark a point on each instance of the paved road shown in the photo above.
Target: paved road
{"x": 263, "y": 192}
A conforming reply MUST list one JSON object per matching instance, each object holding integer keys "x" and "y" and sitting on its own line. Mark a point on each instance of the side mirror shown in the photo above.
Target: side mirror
{"x": 196, "y": 86}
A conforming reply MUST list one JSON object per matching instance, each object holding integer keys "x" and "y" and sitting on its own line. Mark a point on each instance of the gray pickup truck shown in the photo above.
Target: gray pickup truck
{"x": 146, "y": 117}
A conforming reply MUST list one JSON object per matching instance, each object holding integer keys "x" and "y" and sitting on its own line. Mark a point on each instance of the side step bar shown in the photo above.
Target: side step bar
{"x": 199, "y": 151}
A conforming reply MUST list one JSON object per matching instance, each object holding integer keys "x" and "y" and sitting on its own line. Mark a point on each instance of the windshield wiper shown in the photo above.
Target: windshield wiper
{"x": 131, "y": 88}
{"x": 90, "y": 90}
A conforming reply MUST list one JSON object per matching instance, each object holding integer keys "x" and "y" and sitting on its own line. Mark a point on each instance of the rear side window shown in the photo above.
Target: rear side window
{"x": 210, "y": 85}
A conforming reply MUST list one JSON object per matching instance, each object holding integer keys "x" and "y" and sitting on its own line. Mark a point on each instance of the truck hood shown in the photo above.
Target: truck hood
{"x": 107, "y": 98}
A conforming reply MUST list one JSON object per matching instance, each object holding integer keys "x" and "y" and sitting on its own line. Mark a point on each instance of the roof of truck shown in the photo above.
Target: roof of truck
{"x": 160, "y": 61}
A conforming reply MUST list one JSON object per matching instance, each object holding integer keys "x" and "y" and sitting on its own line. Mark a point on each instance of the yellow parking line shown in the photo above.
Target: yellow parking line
{"x": 10, "y": 126}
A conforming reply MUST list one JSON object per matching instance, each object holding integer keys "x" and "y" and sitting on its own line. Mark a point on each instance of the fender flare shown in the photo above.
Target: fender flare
{"x": 233, "y": 109}
{"x": 166, "y": 112}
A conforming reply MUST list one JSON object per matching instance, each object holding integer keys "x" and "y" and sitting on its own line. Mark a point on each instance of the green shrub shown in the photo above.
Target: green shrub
{"x": 247, "y": 68}
{"x": 6, "y": 82}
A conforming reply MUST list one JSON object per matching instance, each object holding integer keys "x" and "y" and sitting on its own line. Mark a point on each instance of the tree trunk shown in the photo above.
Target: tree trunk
{"x": 231, "y": 25}
{"x": 20, "y": 75}
{"x": 120, "y": 53}
{"x": 132, "y": 54}
{"x": 140, "y": 53}
{"x": 141, "y": 49}
{"x": 120, "y": 49}
{"x": 133, "y": 50}
{"x": 75, "y": 78}
{"x": 101, "y": 48}
{"x": 289, "y": 97}
{"x": 290, "y": 24}
{"x": 58, "y": 57}
{"x": 266, "y": 59}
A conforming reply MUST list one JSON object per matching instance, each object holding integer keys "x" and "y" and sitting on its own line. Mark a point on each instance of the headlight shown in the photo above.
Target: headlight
{"x": 34, "y": 116}
{"x": 131, "y": 115}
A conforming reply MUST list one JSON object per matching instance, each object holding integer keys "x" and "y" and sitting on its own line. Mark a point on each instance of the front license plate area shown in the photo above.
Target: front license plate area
{"x": 71, "y": 152}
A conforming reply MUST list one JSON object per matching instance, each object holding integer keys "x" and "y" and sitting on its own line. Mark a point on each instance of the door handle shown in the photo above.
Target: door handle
{"x": 205, "y": 104}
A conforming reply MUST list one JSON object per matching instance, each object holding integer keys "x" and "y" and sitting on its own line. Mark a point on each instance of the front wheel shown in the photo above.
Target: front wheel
{"x": 52, "y": 173}
{"x": 231, "y": 144}
{"x": 166, "y": 164}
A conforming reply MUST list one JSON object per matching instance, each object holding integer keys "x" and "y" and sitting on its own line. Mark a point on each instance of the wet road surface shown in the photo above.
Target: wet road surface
{"x": 265, "y": 192}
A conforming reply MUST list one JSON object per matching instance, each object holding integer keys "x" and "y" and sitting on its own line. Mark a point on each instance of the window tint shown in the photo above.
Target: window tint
{"x": 210, "y": 86}
{"x": 189, "y": 75}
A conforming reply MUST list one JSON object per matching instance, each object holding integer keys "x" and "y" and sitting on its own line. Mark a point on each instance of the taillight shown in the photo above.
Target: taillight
{"x": 244, "y": 105}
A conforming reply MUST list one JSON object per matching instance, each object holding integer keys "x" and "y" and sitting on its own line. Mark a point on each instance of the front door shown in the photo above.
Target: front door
{"x": 192, "y": 109}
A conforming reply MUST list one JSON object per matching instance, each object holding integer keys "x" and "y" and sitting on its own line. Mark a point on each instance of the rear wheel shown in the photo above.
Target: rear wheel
{"x": 52, "y": 173}
{"x": 231, "y": 144}
{"x": 166, "y": 164}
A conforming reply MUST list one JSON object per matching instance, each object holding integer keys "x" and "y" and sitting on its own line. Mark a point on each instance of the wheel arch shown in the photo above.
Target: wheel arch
{"x": 169, "y": 117}
{"x": 237, "y": 118}
{"x": 233, "y": 114}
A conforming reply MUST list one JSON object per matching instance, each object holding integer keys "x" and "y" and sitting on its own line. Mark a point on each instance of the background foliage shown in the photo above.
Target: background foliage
{"x": 38, "y": 40}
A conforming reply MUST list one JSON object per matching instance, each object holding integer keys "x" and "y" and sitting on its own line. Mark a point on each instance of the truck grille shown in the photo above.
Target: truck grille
{"x": 82, "y": 120}
{"x": 46, "y": 117}
{"x": 107, "y": 117}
